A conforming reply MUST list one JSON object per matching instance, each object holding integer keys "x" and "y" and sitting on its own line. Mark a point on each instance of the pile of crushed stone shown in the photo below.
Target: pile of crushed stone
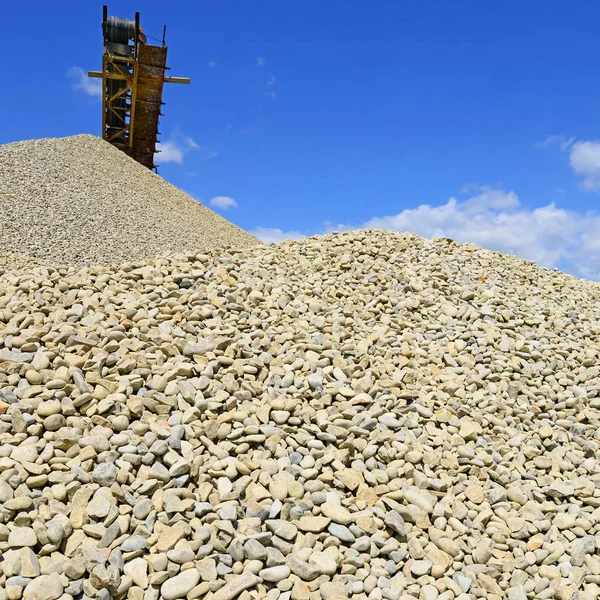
{"x": 360, "y": 416}
{"x": 80, "y": 201}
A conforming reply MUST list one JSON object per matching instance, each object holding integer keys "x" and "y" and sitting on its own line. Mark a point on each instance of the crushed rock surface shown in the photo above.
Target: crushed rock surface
{"x": 365, "y": 415}
{"x": 80, "y": 201}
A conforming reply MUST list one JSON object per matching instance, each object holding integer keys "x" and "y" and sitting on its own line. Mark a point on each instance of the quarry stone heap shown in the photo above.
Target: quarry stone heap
{"x": 365, "y": 415}
{"x": 80, "y": 201}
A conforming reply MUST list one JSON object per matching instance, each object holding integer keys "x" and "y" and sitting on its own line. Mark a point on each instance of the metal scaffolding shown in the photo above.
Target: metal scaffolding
{"x": 133, "y": 75}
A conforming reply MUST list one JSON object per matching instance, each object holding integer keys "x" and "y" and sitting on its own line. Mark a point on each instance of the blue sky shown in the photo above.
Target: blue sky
{"x": 468, "y": 119}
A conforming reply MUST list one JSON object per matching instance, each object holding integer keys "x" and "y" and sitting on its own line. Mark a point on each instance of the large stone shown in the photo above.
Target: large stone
{"x": 105, "y": 474}
{"x": 168, "y": 537}
{"x": 105, "y": 577}
{"x": 45, "y": 587}
{"x": 30, "y": 565}
{"x": 313, "y": 524}
{"x": 330, "y": 589}
{"x": 101, "y": 503}
{"x": 302, "y": 569}
{"x": 15, "y": 356}
{"x": 22, "y": 536}
{"x": 275, "y": 574}
{"x": 207, "y": 568}
{"x": 336, "y": 513}
{"x": 323, "y": 562}
{"x": 137, "y": 569}
{"x": 233, "y": 588}
{"x": 180, "y": 585}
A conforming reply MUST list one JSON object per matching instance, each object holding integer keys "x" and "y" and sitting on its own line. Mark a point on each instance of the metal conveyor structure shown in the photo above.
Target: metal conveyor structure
{"x": 133, "y": 75}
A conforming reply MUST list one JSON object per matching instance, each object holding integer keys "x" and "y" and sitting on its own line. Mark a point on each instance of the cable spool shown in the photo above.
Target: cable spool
{"x": 119, "y": 30}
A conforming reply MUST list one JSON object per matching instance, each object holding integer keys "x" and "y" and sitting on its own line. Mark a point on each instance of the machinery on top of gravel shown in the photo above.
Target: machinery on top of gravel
{"x": 133, "y": 74}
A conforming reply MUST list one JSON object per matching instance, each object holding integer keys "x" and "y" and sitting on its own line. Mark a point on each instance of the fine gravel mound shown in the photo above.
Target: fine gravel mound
{"x": 80, "y": 201}
{"x": 365, "y": 416}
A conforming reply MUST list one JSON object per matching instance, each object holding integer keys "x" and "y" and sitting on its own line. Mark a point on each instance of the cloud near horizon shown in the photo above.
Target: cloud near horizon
{"x": 494, "y": 219}
{"x": 274, "y": 235}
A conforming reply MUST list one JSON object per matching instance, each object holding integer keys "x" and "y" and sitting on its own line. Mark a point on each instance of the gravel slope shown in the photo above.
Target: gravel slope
{"x": 367, "y": 415}
{"x": 79, "y": 200}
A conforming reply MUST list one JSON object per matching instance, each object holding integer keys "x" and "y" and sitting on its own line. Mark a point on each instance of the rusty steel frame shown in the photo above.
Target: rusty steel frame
{"x": 152, "y": 65}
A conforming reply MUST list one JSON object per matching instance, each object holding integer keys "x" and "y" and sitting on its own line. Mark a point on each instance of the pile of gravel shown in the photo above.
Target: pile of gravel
{"x": 363, "y": 416}
{"x": 80, "y": 201}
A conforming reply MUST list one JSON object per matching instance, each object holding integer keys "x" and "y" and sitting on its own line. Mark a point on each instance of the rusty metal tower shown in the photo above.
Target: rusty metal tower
{"x": 133, "y": 75}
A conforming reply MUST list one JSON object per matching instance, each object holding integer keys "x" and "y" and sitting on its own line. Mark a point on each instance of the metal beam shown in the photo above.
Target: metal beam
{"x": 98, "y": 75}
{"x": 177, "y": 80}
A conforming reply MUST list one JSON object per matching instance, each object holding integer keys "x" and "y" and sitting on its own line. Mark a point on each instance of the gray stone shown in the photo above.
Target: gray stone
{"x": 302, "y": 569}
{"x": 341, "y": 532}
{"x": 254, "y": 550}
{"x": 105, "y": 474}
{"x": 396, "y": 523}
{"x": 15, "y": 356}
{"x": 134, "y": 543}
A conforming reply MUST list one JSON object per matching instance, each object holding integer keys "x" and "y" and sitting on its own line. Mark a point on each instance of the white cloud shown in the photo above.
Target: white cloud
{"x": 261, "y": 61}
{"x": 175, "y": 149}
{"x": 584, "y": 159}
{"x": 495, "y": 219}
{"x": 491, "y": 199}
{"x": 273, "y": 235}
{"x": 81, "y": 82}
{"x": 561, "y": 140}
{"x": 169, "y": 152}
{"x": 223, "y": 202}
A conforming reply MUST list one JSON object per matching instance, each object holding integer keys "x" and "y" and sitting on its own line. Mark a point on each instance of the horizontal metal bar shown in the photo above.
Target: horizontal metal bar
{"x": 95, "y": 74}
{"x": 177, "y": 80}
